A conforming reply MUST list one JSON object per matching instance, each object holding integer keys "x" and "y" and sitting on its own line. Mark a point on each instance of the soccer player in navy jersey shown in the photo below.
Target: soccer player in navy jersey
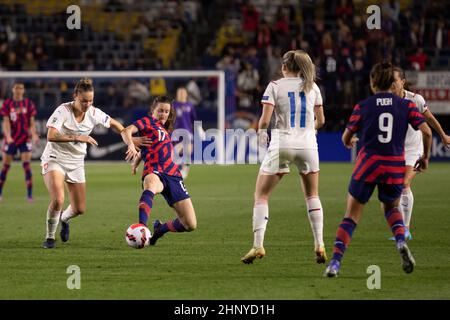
{"x": 160, "y": 174}
{"x": 19, "y": 131}
{"x": 381, "y": 122}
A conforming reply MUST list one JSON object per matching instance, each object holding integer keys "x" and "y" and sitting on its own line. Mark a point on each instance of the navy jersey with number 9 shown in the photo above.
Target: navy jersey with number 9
{"x": 381, "y": 122}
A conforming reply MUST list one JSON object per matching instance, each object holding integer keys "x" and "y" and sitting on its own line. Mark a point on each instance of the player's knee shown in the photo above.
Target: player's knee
{"x": 57, "y": 202}
{"x": 190, "y": 225}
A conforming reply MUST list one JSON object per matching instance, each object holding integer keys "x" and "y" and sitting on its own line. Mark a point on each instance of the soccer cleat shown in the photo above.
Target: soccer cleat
{"x": 321, "y": 255}
{"x": 332, "y": 269}
{"x": 65, "y": 231}
{"x": 30, "y": 200}
{"x": 408, "y": 261}
{"x": 49, "y": 243}
{"x": 253, "y": 254}
{"x": 156, "y": 233}
{"x": 1, "y": 198}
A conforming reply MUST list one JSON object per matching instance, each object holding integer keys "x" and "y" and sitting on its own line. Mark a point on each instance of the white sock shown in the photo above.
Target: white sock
{"x": 260, "y": 218}
{"x": 68, "y": 214}
{"x": 315, "y": 216}
{"x": 52, "y": 223}
{"x": 406, "y": 205}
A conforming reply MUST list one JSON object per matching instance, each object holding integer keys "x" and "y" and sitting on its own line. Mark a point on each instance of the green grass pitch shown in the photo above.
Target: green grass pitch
{"x": 206, "y": 264}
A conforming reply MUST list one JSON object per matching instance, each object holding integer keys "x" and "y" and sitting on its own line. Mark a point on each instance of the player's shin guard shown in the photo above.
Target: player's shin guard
{"x": 395, "y": 221}
{"x": 52, "y": 223}
{"x": 145, "y": 206}
{"x": 406, "y": 205}
{"x": 343, "y": 236}
{"x": 28, "y": 179}
{"x": 3, "y": 175}
{"x": 315, "y": 216}
{"x": 260, "y": 219}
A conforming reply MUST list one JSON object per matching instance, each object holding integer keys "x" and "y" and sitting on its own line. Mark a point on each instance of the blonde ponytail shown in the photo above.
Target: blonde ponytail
{"x": 299, "y": 62}
{"x": 307, "y": 69}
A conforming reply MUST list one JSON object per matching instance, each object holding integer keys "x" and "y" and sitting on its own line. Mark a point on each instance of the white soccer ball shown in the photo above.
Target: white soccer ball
{"x": 138, "y": 236}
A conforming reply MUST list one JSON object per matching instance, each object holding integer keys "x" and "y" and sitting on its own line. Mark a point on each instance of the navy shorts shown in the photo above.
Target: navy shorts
{"x": 362, "y": 191}
{"x": 12, "y": 148}
{"x": 174, "y": 188}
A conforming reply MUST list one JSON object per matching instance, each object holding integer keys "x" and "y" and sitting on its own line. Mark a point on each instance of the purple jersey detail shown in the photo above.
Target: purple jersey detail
{"x": 186, "y": 116}
{"x": 19, "y": 114}
{"x": 159, "y": 155}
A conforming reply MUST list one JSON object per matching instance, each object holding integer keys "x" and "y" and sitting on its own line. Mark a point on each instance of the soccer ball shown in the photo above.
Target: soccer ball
{"x": 138, "y": 236}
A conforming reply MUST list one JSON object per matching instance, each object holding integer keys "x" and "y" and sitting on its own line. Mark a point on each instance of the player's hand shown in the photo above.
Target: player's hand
{"x": 263, "y": 138}
{"x": 142, "y": 142}
{"x": 131, "y": 153}
{"x": 9, "y": 140}
{"x": 446, "y": 141}
{"x": 353, "y": 141}
{"x": 135, "y": 164}
{"x": 421, "y": 164}
{"x": 87, "y": 139}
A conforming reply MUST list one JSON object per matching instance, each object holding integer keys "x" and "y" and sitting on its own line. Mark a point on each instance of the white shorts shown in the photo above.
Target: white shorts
{"x": 277, "y": 161}
{"x": 72, "y": 173}
{"x": 411, "y": 156}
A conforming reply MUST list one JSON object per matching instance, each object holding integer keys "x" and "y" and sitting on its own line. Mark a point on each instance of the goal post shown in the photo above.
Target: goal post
{"x": 11, "y": 76}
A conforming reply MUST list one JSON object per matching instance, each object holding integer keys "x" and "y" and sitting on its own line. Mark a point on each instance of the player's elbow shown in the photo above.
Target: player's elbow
{"x": 426, "y": 131}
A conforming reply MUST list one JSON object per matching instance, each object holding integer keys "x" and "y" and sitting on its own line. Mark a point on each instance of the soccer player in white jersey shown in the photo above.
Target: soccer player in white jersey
{"x": 296, "y": 103}
{"x": 413, "y": 146}
{"x": 69, "y": 129}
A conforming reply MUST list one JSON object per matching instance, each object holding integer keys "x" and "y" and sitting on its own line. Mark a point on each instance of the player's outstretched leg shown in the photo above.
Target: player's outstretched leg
{"x": 160, "y": 229}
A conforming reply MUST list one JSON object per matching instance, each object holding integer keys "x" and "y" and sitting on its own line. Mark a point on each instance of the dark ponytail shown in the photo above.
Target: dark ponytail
{"x": 382, "y": 76}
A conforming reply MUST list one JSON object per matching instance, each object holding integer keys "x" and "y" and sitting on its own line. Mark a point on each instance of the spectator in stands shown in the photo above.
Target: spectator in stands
{"x": 29, "y": 64}
{"x": 247, "y": 86}
{"x": 250, "y": 20}
{"x": 418, "y": 59}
